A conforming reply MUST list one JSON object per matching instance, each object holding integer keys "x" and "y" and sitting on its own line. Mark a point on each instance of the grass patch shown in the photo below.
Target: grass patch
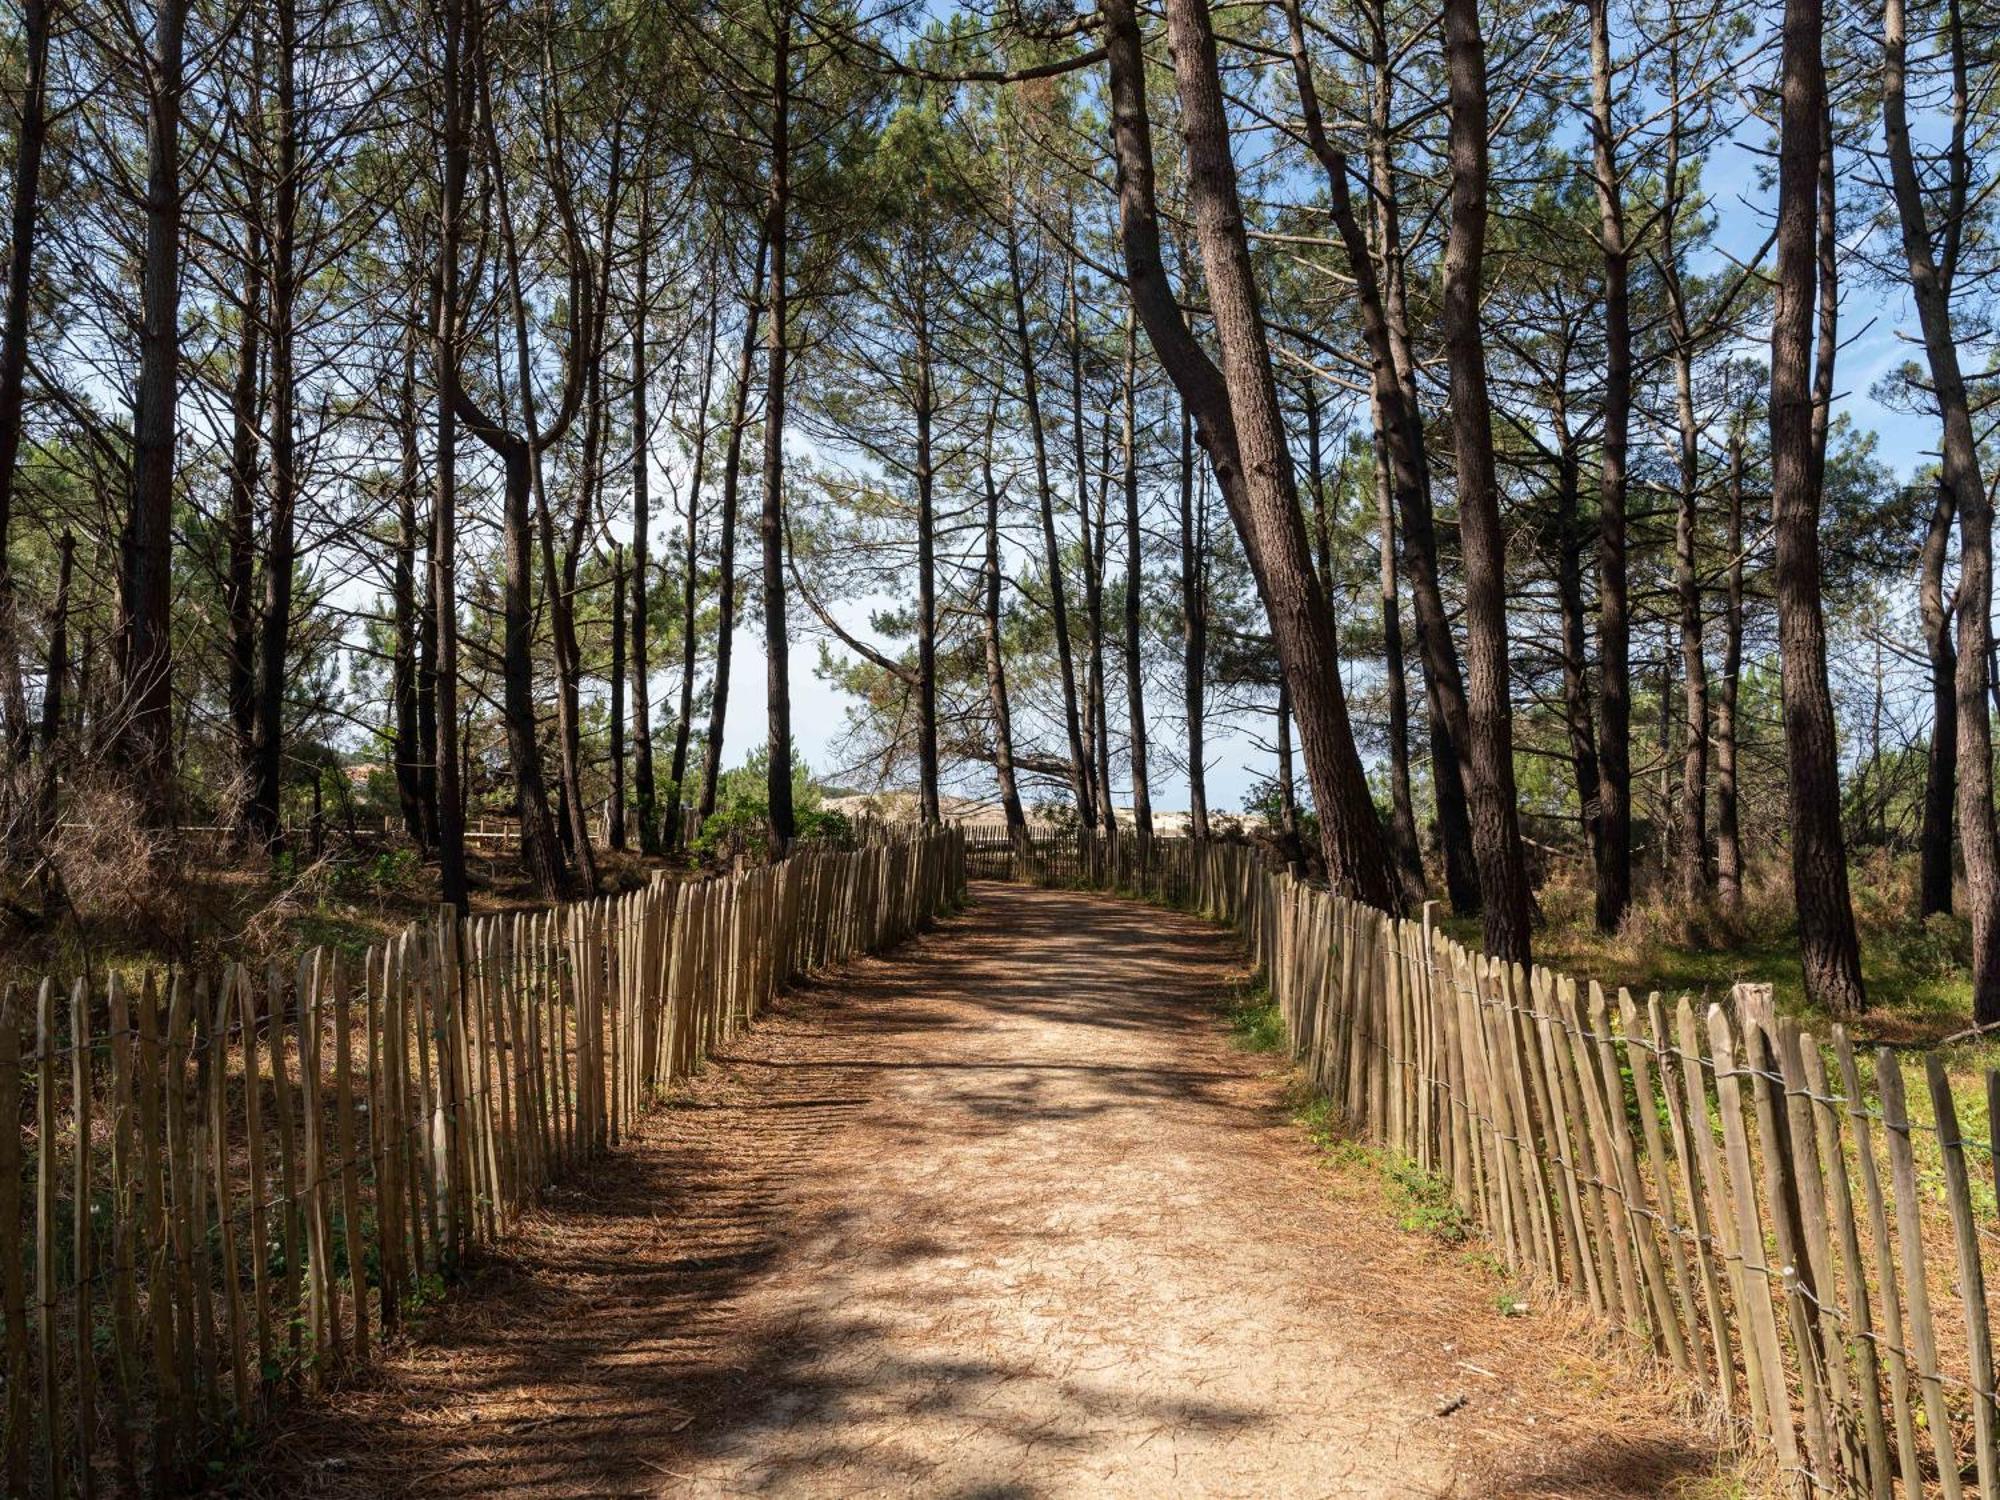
{"x": 1915, "y": 969}
{"x": 1253, "y": 1018}
{"x": 1419, "y": 1200}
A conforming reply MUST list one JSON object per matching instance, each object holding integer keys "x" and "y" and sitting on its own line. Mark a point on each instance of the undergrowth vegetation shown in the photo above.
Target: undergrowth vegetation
{"x": 1919, "y": 982}
{"x": 1421, "y": 1201}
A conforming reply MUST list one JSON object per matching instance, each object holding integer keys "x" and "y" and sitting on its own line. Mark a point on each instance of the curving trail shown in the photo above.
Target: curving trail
{"x": 1003, "y": 1215}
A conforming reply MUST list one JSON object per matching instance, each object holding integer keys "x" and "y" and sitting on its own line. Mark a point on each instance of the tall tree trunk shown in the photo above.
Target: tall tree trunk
{"x": 645, "y": 794}
{"x": 1093, "y": 599}
{"x": 1357, "y": 856}
{"x": 1322, "y": 525}
{"x": 927, "y": 732}
{"x": 1403, "y": 842}
{"x": 145, "y": 656}
{"x": 996, "y": 666}
{"x": 1086, "y": 807}
{"x": 1694, "y": 877}
{"x": 1694, "y": 674}
{"x": 55, "y": 681}
{"x": 31, "y": 132}
{"x": 1288, "y": 794}
{"x": 1728, "y": 841}
{"x": 1496, "y": 833}
{"x": 1930, "y": 285}
{"x": 1205, "y": 405}
{"x": 1135, "y": 674}
{"x": 1454, "y": 816}
{"x": 1667, "y": 841}
{"x": 1614, "y": 622}
{"x": 524, "y": 499}
{"x": 732, "y": 475}
{"x": 1578, "y": 718}
{"x": 615, "y": 834}
{"x": 1941, "y": 764}
{"x": 239, "y": 596}
{"x": 1693, "y": 847}
{"x": 281, "y": 548}
{"x": 1194, "y": 632}
{"x": 541, "y": 846}
{"x": 1095, "y": 537}
{"x": 771, "y": 529}
{"x": 1452, "y": 805}
{"x": 690, "y": 581}
{"x": 560, "y": 579}
{"x": 404, "y": 670}
{"x": 1828, "y": 947}
{"x": 453, "y": 107}
{"x": 1376, "y": 272}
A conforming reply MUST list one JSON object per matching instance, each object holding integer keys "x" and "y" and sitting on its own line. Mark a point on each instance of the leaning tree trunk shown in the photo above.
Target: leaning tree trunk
{"x": 1401, "y": 423}
{"x": 1829, "y": 949}
{"x": 522, "y": 497}
{"x": 1204, "y": 397}
{"x": 1454, "y": 817}
{"x": 1933, "y": 289}
{"x": 1930, "y": 285}
{"x": 1357, "y": 856}
{"x": 541, "y": 846}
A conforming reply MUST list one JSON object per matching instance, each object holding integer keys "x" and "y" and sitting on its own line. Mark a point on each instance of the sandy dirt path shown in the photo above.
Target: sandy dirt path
{"x": 1005, "y": 1214}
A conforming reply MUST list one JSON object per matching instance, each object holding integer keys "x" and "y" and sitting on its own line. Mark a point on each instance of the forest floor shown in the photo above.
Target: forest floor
{"x": 1917, "y": 970}
{"x": 1006, "y": 1213}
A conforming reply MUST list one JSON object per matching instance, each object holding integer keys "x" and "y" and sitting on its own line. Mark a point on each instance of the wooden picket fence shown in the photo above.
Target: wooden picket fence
{"x": 1798, "y": 1231}
{"x": 226, "y": 1188}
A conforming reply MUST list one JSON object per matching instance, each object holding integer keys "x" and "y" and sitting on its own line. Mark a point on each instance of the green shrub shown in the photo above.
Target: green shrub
{"x": 741, "y": 822}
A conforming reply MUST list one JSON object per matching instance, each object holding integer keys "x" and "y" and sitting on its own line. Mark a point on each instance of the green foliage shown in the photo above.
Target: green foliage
{"x": 1266, "y": 800}
{"x": 1421, "y": 1200}
{"x": 1254, "y": 1020}
{"x": 1937, "y": 947}
{"x": 741, "y": 822}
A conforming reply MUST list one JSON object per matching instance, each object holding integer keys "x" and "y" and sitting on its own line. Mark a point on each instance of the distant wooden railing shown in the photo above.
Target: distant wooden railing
{"x": 224, "y": 1188}
{"x": 1799, "y": 1233}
